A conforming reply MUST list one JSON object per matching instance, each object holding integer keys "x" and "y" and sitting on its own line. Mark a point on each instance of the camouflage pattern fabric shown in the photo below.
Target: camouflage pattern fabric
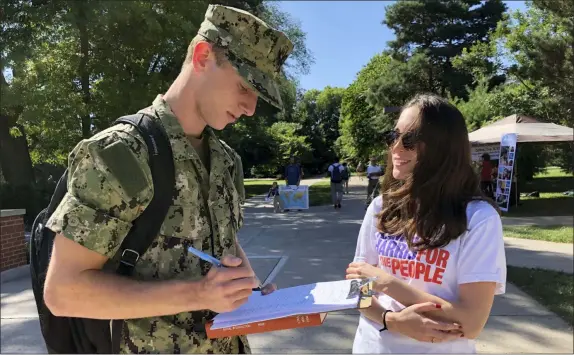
{"x": 101, "y": 203}
{"x": 256, "y": 50}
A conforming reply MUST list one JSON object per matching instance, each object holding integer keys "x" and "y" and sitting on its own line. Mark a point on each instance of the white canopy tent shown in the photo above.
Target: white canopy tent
{"x": 528, "y": 129}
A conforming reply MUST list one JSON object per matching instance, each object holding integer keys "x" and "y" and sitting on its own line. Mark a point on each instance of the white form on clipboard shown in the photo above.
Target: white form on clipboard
{"x": 299, "y": 300}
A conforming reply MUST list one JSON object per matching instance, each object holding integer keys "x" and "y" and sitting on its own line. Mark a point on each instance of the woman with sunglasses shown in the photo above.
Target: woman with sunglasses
{"x": 430, "y": 237}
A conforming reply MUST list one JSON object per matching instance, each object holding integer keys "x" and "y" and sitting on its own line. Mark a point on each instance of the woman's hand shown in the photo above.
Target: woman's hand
{"x": 361, "y": 270}
{"x": 411, "y": 323}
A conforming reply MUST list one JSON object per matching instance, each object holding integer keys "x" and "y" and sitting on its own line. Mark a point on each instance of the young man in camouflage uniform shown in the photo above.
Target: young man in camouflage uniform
{"x": 231, "y": 62}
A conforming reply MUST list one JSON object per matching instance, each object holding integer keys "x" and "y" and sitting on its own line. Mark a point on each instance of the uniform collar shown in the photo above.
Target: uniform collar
{"x": 180, "y": 145}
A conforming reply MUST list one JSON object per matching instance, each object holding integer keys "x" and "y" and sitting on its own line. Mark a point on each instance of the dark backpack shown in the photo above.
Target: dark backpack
{"x": 345, "y": 174}
{"x": 65, "y": 335}
{"x": 336, "y": 174}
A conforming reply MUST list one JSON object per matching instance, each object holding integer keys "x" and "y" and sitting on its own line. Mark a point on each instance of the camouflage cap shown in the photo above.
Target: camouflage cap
{"x": 256, "y": 50}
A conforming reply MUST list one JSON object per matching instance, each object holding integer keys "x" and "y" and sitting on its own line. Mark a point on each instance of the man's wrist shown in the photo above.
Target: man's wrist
{"x": 195, "y": 298}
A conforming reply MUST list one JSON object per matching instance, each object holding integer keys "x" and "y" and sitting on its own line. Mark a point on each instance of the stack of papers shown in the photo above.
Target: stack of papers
{"x": 305, "y": 299}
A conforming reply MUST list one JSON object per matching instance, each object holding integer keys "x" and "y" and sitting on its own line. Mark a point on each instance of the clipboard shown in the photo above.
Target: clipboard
{"x": 295, "y": 321}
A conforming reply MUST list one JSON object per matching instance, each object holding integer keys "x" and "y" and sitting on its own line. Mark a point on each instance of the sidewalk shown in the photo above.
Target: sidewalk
{"x": 539, "y": 254}
{"x": 312, "y": 246}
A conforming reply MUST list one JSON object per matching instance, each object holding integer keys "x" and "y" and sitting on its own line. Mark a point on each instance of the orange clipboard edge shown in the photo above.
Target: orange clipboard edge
{"x": 291, "y": 322}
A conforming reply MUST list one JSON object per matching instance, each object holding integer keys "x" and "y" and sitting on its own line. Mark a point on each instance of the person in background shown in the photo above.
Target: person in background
{"x": 346, "y": 176}
{"x": 374, "y": 172}
{"x": 274, "y": 192}
{"x": 360, "y": 169}
{"x": 336, "y": 173}
{"x": 486, "y": 176}
{"x": 432, "y": 240}
{"x": 293, "y": 173}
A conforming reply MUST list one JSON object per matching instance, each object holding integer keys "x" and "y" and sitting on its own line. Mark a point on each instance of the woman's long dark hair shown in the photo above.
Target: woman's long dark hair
{"x": 431, "y": 202}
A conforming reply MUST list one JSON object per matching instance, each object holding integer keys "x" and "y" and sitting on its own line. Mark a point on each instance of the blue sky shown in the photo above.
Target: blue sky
{"x": 343, "y": 36}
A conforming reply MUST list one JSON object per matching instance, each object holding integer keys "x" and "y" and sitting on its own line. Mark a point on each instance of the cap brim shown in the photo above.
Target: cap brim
{"x": 264, "y": 84}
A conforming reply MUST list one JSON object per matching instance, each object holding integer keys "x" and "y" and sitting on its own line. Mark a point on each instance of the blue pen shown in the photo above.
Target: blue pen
{"x": 210, "y": 259}
{"x": 205, "y": 257}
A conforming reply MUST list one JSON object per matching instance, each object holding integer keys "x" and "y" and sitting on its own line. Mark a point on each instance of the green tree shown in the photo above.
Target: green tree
{"x": 440, "y": 30}
{"x": 22, "y": 24}
{"x": 540, "y": 43}
{"x": 539, "y": 67}
{"x": 290, "y": 143}
{"x": 399, "y": 81}
{"x": 478, "y": 109}
{"x": 357, "y": 114}
{"x": 69, "y": 68}
{"x": 318, "y": 112}
{"x": 69, "y": 80}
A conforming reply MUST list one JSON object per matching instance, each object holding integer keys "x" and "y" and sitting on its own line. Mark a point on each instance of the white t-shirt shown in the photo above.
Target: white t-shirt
{"x": 478, "y": 255}
{"x": 373, "y": 169}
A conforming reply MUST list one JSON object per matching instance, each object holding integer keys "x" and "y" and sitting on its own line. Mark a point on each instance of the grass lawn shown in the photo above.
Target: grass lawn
{"x": 320, "y": 193}
{"x": 551, "y": 184}
{"x": 557, "y": 234}
{"x": 553, "y": 289}
{"x": 254, "y": 187}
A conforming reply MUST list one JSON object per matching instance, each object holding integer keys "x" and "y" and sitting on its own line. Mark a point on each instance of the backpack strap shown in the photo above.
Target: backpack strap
{"x": 146, "y": 227}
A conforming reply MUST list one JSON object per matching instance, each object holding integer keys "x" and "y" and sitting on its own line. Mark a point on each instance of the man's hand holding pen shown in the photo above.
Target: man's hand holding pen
{"x": 227, "y": 288}
{"x": 228, "y": 285}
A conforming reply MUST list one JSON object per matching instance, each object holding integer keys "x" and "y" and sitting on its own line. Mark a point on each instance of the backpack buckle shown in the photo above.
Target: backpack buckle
{"x": 130, "y": 257}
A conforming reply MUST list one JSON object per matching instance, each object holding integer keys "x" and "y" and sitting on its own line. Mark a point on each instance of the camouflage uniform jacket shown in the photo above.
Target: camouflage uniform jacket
{"x": 106, "y": 194}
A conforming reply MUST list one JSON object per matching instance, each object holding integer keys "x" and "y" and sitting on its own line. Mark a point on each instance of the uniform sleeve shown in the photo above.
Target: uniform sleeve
{"x": 109, "y": 185}
{"x": 365, "y": 250}
{"x": 482, "y": 256}
{"x": 239, "y": 177}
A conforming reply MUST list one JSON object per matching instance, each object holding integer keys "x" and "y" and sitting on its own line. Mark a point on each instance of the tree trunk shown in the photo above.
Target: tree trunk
{"x": 83, "y": 69}
{"x": 15, "y": 158}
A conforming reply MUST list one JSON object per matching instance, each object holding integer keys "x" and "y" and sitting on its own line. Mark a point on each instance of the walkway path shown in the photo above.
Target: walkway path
{"x": 312, "y": 246}
{"x": 539, "y": 254}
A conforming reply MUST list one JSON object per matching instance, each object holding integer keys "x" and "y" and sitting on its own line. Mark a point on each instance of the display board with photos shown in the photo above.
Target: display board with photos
{"x": 506, "y": 165}
{"x": 477, "y": 151}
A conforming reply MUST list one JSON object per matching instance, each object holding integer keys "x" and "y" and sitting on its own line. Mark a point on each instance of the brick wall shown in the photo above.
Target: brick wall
{"x": 12, "y": 242}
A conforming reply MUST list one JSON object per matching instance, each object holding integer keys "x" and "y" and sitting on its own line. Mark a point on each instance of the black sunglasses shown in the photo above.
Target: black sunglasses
{"x": 409, "y": 139}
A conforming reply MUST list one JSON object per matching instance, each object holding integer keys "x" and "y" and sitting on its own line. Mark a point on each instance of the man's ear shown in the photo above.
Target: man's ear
{"x": 202, "y": 55}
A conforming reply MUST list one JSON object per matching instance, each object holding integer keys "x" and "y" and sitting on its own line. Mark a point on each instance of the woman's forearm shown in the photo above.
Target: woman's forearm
{"x": 472, "y": 314}
{"x": 374, "y": 312}
{"x": 406, "y": 294}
